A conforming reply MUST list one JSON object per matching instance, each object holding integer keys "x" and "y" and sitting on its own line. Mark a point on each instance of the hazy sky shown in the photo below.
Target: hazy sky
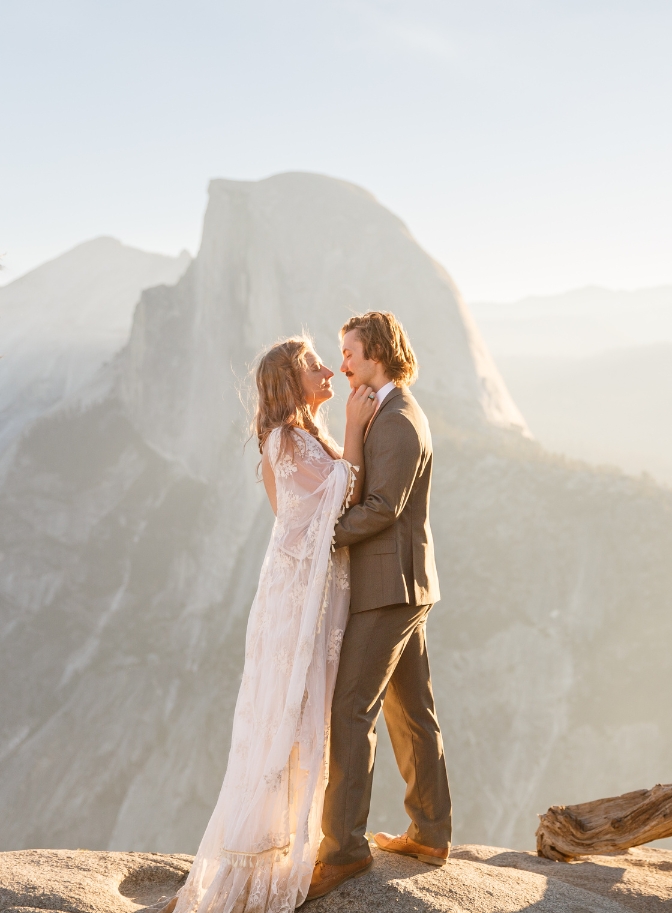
{"x": 527, "y": 145}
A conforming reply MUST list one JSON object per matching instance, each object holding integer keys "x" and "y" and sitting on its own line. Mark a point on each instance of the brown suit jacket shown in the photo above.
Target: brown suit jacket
{"x": 391, "y": 547}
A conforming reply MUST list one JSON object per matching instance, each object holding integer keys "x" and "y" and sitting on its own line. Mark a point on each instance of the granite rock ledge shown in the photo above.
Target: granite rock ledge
{"x": 477, "y": 879}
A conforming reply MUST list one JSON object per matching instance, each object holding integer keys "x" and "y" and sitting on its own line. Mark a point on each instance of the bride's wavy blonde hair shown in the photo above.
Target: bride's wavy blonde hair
{"x": 281, "y": 402}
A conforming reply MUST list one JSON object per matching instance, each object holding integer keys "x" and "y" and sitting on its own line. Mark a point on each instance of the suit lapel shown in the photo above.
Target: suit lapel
{"x": 390, "y": 396}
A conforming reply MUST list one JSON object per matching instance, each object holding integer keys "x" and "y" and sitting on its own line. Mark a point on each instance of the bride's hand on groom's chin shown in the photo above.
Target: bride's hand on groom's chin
{"x": 360, "y": 406}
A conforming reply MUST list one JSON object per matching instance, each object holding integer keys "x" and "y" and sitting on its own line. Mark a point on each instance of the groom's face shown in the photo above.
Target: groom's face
{"x": 358, "y": 369}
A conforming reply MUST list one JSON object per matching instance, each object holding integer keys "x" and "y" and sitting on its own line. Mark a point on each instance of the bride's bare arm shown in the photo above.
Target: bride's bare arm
{"x": 268, "y": 476}
{"x": 359, "y": 411}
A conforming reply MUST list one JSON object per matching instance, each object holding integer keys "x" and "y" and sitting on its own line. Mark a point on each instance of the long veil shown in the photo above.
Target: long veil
{"x": 259, "y": 848}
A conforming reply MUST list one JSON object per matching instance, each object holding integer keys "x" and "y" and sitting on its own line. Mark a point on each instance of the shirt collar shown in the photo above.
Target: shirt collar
{"x": 382, "y": 393}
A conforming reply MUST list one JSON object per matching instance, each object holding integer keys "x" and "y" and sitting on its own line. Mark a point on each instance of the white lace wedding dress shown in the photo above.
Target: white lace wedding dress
{"x": 258, "y": 851}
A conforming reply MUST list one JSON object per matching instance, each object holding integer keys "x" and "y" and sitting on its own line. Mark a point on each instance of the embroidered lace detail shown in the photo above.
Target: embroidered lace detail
{"x": 313, "y": 450}
{"x": 289, "y": 505}
{"x": 284, "y": 560}
{"x": 341, "y": 576}
{"x": 311, "y": 536}
{"x": 268, "y": 727}
{"x": 298, "y": 594}
{"x": 352, "y": 478}
{"x": 294, "y": 713}
{"x": 334, "y": 645}
{"x": 305, "y": 649}
{"x": 325, "y": 753}
{"x": 242, "y": 748}
{"x": 246, "y": 712}
{"x": 273, "y": 780}
{"x": 265, "y": 855}
{"x": 284, "y": 660}
{"x": 285, "y": 466}
{"x": 324, "y": 585}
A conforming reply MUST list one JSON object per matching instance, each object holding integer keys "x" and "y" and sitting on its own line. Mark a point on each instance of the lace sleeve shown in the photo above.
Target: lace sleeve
{"x": 302, "y": 475}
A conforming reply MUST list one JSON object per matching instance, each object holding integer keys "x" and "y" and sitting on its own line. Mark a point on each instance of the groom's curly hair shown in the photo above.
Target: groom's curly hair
{"x": 385, "y": 340}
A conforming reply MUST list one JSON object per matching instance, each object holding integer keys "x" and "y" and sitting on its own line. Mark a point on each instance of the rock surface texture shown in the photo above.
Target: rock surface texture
{"x": 476, "y": 879}
{"x": 132, "y": 531}
{"x": 80, "y": 881}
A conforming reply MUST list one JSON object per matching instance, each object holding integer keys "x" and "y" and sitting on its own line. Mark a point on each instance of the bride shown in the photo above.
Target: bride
{"x": 259, "y": 848}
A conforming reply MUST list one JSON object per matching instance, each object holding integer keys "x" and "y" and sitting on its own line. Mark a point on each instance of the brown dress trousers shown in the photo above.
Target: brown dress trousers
{"x": 384, "y": 659}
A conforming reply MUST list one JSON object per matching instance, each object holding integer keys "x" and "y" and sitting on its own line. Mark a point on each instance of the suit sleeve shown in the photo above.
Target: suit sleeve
{"x": 390, "y": 472}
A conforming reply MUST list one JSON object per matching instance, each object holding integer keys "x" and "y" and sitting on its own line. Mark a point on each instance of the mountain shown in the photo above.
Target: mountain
{"x": 62, "y": 321}
{"x": 592, "y": 372}
{"x": 609, "y": 408}
{"x": 586, "y": 321}
{"x": 278, "y": 255}
{"x": 132, "y": 532}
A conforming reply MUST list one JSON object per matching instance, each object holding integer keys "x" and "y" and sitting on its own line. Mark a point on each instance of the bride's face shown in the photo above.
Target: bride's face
{"x": 316, "y": 380}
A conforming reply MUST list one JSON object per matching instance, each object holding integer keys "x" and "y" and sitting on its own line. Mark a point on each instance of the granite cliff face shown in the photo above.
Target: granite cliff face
{"x": 63, "y": 320}
{"x": 132, "y": 531}
{"x": 295, "y": 251}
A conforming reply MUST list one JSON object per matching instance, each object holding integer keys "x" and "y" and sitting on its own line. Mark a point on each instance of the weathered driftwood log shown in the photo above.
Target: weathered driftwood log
{"x": 605, "y": 825}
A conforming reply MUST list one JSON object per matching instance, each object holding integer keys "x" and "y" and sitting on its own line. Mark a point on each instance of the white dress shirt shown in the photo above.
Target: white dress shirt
{"x": 382, "y": 393}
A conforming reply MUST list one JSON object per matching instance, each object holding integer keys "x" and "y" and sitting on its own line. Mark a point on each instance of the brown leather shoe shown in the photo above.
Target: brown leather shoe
{"x": 327, "y": 877}
{"x": 404, "y": 846}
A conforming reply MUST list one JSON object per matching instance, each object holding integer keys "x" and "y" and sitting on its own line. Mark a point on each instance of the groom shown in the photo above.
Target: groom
{"x": 384, "y": 653}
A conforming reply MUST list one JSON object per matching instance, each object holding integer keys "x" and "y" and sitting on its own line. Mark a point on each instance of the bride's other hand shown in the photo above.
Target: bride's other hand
{"x": 360, "y": 407}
